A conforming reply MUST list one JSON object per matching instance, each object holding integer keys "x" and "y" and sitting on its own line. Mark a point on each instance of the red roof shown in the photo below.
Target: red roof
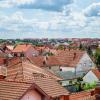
{"x": 67, "y": 58}
{"x": 2, "y": 60}
{"x": 19, "y": 69}
{"x": 22, "y": 47}
{"x": 97, "y": 73}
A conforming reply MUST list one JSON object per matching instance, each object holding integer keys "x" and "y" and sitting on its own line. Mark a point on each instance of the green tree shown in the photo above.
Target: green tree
{"x": 89, "y": 51}
{"x": 97, "y": 57}
{"x": 81, "y": 47}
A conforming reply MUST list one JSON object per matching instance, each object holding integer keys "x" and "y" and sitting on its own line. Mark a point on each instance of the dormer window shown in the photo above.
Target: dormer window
{"x": 22, "y": 55}
{"x": 50, "y": 67}
{"x": 60, "y": 69}
{"x": 15, "y": 54}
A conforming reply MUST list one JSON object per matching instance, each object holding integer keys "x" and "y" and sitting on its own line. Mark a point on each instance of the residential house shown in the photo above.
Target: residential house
{"x": 4, "y": 50}
{"x": 23, "y": 69}
{"x": 25, "y": 81}
{"x": 65, "y": 60}
{"x": 25, "y": 50}
{"x": 92, "y": 76}
{"x": 38, "y": 89}
{"x": 75, "y": 60}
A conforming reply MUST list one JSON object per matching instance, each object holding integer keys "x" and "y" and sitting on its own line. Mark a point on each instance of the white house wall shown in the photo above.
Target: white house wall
{"x": 90, "y": 77}
{"x": 85, "y": 63}
{"x": 63, "y": 68}
{"x": 68, "y": 69}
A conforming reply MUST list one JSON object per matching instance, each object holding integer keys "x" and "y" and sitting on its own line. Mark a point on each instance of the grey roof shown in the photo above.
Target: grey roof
{"x": 69, "y": 75}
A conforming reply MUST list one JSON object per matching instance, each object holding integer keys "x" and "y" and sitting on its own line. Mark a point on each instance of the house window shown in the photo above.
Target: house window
{"x": 90, "y": 64}
{"x": 22, "y": 55}
{"x": 57, "y": 98}
{"x": 49, "y": 67}
{"x": 15, "y": 54}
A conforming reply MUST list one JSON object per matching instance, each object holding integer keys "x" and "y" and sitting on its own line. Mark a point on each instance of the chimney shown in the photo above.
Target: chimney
{"x": 45, "y": 60}
{"x": 74, "y": 56}
{"x": 6, "y": 61}
{"x": 69, "y": 49}
{"x": 3, "y": 72}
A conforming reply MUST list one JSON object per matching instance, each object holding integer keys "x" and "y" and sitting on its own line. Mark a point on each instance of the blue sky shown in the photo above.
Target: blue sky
{"x": 49, "y": 18}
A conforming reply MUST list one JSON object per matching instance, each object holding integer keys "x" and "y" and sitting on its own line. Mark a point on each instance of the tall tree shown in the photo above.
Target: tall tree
{"x": 97, "y": 57}
{"x": 89, "y": 51}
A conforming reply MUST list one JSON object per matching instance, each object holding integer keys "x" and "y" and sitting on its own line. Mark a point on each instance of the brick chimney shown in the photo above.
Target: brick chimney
{"x": 3, "y": 72}
{"x": 6, "y": 62}
{"x": 45, "y": 60}
{"x": 74, "y": 56}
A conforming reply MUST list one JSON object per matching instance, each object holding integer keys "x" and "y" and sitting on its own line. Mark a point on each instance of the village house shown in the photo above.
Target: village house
{"x": 6, "y": 50}
{"x": 24, "y": 50}
{"x": 25, "y": 81}
{"x": 76, "y": 60}
{"x": 64, "y": 60}
{"x": 23, "y": 69}
{"x": 38, "y": 89}
{"x": 92, "y": 76}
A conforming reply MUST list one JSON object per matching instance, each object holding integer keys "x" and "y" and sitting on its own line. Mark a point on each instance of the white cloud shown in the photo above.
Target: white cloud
{"x": 6, "y": 4}
{"x": 54, "y": 22}
{"x": 49, "y": 5}
{"x": 93, "y": 10}
{"x": 21, "y": 2}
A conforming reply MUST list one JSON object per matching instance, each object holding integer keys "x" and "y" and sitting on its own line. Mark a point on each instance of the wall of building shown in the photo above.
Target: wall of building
{"x": 67, "y": 68}
{"x": 31, "y": 52}
{"x": 32, "y": 95}
{"x": 90, "y": 77}
{"x": 85, "y": 63}
{"x": 3, "y": 71}
{"x": 61, "y": 68}
{"x": 85, "y": 95}
{"x": 53, "y": 68}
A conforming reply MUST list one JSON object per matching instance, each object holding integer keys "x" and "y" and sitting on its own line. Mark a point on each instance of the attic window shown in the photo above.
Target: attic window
{"x": 60, "y": 69}
{"x": 22, "y": 55}
{"x": 50, "y": 67}
{"x": 44, "y": 62}
{"x": 15, "y": 54}
{"x": 57, "y": 98}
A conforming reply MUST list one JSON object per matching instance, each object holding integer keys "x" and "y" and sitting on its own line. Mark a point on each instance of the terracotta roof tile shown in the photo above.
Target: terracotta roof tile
{"x": 96, "y": 72}
{"x": 67, "y": 58}
{"x": 12, "y": 90}
{"x": 22, "y": 47}
{"x": 51, "y": 87}
{"x": 25, "y": 69}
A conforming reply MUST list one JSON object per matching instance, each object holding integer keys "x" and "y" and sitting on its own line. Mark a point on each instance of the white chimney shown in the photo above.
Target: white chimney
{"x": 3, "y": 72}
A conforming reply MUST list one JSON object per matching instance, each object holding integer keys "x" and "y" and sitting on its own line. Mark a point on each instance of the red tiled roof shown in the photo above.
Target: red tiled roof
{"x": 22, "y": 47}
{"x": 12, "y": 90}
{"x": 67, "y": 58}
{"x": 2, "y": 61}
{"x": 70, "y": 57}
{"x": 97, "y": 73}
{"x": 24, "y": 69}
{"x": 51, "y": 60}
{"x": 51, "y": 87}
